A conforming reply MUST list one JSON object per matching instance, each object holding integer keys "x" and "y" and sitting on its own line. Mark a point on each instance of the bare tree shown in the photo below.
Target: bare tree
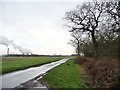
{"x": 86, "y": 18}
{"x": 113, "y": 9}
{"x": 76, "y": 41}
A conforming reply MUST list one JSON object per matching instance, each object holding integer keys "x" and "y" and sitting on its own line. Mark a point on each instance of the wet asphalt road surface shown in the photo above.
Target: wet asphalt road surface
{"x": 14, "y": 79}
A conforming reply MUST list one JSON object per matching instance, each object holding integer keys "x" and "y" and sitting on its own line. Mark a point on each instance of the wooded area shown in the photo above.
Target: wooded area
{"x": 95, "y": 28}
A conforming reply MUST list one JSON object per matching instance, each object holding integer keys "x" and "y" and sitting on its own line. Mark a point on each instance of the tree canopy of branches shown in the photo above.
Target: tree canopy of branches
{"x": 93, "y": 18}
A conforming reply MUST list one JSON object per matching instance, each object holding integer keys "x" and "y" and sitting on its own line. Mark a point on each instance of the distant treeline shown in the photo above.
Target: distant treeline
{"x": 32, "y": 55}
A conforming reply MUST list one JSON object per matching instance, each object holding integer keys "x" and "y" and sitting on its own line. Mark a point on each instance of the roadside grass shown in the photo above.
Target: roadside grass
{"x": 67, "y": 75}
{"x": 10, "y": 64}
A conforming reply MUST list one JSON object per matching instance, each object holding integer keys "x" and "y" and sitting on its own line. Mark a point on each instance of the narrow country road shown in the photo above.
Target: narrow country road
{"x": 14, "y": 79}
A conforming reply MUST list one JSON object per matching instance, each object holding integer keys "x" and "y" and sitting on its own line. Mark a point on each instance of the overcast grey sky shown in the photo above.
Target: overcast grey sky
{"x": 37, "y": 26}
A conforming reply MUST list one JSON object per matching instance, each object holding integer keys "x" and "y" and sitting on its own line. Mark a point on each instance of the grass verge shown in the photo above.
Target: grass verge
{"x": 67, "y": 75}
{"x": 10, "y": 64}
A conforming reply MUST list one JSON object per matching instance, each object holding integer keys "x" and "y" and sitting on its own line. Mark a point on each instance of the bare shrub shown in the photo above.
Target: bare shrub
{"x": 104, "y": 72}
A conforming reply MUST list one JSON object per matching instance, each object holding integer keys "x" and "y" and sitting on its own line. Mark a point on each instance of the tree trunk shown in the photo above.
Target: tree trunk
{"x": 78, "y": 48}
{"x": 95, "y": 45}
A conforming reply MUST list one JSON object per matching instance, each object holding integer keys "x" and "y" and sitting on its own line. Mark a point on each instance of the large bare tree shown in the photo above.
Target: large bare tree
{"x": 86, "y": 18}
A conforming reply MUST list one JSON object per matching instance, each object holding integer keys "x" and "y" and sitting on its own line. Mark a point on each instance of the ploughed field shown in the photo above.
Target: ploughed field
{"x": 10, "y": 64}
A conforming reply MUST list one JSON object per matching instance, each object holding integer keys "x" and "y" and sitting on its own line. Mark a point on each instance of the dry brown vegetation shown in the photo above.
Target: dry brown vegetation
{"x": 103, "y": 73}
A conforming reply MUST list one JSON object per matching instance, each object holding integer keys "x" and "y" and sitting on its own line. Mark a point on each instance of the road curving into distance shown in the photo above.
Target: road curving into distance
{"x": 12, "y": 80}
